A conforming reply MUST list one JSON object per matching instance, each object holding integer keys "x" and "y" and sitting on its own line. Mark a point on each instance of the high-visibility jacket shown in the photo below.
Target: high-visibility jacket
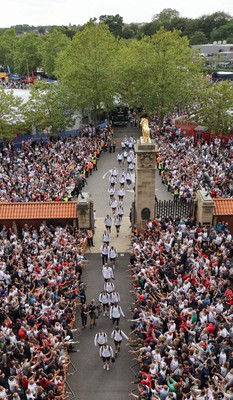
{"x": 160, "y": 166}
{"x": 90, "y": 165}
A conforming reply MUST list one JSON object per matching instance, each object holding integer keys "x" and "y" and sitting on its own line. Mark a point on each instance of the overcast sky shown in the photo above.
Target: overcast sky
{"x": 77, "y": 12}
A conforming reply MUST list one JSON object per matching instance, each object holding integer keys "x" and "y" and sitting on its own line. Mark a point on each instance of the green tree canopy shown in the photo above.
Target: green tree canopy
{"x": 207, "y": 23}
{"x": 198, "y": 38}
{"x": 49, "y": 107}
{"x": 52, "y": 44}
{"x": 166, "y": 15}
{"x": 224, "y": 32}
{"x": 10, "y": 113}
{"x": 87, "y": 66}
{"x": 27, "y": 55}
{"x": 114, "y": 22}
{"x": 216, "y": 107}
{"x": 158, "y": 72}
{"x": 8, "y": 43}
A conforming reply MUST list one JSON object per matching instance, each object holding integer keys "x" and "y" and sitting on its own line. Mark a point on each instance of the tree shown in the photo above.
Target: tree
{"x": 52, "y": 44}
{"x": 224, "y": 32}
{"x": 130, "y": 31}
{"x": 88, "y": 67}
{"x": 114, "y": 22}
{"x": 198, "y": 38}
{"x": 8, "y": 43}
{"x": 49, "y": 107}
{"x": 215, "y": 107}
{"x": 166, "y": 15}
{"x": 10, "y": 113}
{"x": 158, "y": 72}
{"x": 27, "y": 55}
{"x": 207, "y": 23}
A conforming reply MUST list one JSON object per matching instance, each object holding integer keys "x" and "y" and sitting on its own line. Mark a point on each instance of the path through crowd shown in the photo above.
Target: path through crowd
{"x": 89, "y": 380}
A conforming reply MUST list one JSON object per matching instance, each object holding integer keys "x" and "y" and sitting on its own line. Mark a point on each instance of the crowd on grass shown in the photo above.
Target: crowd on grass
{"x": 39, "y": 281}
{"x": 182, "y": 331}
{"x": 38, "y": 172}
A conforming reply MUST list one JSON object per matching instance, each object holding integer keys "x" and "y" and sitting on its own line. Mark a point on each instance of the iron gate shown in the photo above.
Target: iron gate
{"x": 174, "y": 208}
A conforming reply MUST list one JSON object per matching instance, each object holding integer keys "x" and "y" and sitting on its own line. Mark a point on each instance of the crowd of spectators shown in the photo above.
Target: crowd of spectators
{"x": 39, "y": 280}
{"x": 186, "y": 168}
{"x": 15, "y": 84}
{"x": 182, "y": 277}
{"x": 38, "y": 172}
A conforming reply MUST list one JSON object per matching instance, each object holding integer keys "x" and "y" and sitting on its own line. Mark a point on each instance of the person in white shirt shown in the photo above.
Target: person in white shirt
{"x": 120, "y": 211}
{"x": 122, "y": 180}
{"x": 107, "y": 272}
{"x": 117, "y": 335}
{"x": 119, "y": 158}
{"x": 115, "y": 313}
{"x": 128, "y": 178}
{"x": 113, "y": 204}
{"x": 109, "y": 286}
{"x": 112, "y": 255}
{"x": 117, "y": 223}
{"x": 104, "y": 299}
{"x": 112, "y": 180}
{"x": 106, "y": 353}
{"x": 115, "y": 172}
{"x": 104, "y": 253}
{"x": 111, "y": 192}
{"x": 100, "y": 338}
{"x": 114, "y": 297}
{"x": 106, "y": 238}
{"x": 108, "y": 223}
{"x": 121, "y": 194}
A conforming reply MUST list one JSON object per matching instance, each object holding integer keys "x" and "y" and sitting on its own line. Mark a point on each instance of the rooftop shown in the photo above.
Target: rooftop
{"x": 40, "y": 210}
{"x": 223, "y": 206}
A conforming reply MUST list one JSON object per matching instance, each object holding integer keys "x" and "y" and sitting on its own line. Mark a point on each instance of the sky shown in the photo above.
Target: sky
{"x": 76, "y": 12}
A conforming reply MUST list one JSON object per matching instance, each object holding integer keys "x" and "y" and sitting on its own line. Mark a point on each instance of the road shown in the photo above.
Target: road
{"x": 88, "y": 379}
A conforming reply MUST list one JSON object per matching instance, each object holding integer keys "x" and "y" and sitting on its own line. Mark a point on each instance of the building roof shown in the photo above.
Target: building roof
{"x": 223, "y": 206}
{"x": 40, "y": 210}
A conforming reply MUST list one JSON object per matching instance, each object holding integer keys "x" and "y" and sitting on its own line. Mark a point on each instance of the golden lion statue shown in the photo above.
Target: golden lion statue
{"x": 145, "y": 130}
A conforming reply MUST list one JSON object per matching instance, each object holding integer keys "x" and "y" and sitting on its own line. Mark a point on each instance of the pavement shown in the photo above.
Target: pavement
{"x": 87, "y": 379}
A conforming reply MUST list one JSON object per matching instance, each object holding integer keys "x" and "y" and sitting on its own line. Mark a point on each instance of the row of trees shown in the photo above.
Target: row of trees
{"x": 205, "y": 29}
{"x": 160, "y": 72}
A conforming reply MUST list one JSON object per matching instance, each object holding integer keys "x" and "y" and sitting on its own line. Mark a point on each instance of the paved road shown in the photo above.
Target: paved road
{"x": 91, "y": 381}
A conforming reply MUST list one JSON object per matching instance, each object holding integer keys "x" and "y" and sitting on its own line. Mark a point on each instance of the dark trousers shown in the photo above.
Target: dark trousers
{"x": 104, "y": 259}
{"x": 84, "y": 319}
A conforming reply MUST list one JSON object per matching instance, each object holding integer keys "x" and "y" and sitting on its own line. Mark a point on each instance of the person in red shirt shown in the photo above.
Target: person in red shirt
{"x": 22, "y": 334}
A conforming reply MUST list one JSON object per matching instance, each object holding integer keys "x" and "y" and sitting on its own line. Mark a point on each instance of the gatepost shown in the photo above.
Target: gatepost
{"x": 85, "y": 212}
{"x": 205, "y": 208}
{"x": 146, "y": 152}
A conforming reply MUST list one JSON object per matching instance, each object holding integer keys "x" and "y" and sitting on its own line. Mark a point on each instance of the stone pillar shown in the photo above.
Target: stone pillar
{"x": 15, "y": 228}
{"x": 83, "y": 211}
{"x": 205, "y": 207}
{"x": 145, "y": 181}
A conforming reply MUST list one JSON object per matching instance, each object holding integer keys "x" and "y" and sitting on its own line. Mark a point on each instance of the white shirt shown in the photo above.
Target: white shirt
{"x": 104, "y": 298}
{"x": 116, "y": 312}
{"x": 107, "y": 272}
{"x": 100, "y": 338}
{"x": 106, "y": 351}
{"x": 112, "y": 253}
{"x": 118, "y": 335}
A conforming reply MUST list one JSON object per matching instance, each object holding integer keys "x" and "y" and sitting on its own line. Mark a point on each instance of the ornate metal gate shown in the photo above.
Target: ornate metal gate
{"x": 174, "y": 208}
